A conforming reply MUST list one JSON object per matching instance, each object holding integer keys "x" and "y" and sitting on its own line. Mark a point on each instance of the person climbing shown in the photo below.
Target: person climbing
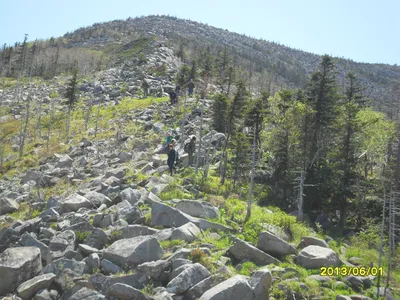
{"x": 173, "y": 158}
{"x": 190, "y": 147}
{"x": 191, "y": 87}
{"x": 146, "y": 87}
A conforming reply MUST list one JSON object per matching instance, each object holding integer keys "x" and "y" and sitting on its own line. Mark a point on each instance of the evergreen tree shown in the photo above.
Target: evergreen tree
{"x": 234, "y": 120}
{"x": 323, "y": 98}
{"x": 349, "y": 127}
{"x": 183, "y": 76}
{"x": 220, "y": 109}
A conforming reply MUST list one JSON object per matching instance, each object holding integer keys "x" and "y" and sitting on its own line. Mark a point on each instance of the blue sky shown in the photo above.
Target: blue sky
{"x": 362, "y": 30}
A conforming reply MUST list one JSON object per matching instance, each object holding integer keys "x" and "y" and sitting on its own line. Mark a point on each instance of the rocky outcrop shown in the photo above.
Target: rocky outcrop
{"x": 18, "y": 265}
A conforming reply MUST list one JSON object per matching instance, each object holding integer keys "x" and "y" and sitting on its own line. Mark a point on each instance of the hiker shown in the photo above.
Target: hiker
{"x": 190, "y": 147}
{"x": 146, "y": 87}
{"x": 172, "y": 158}
{"x": 173, "y": 98}
{"x": 168, "y": 141}
{"x": 190, "y": 87}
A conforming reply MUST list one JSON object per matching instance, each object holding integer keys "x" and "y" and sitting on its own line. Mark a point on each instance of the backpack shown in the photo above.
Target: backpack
{"x": 186, "y": 148}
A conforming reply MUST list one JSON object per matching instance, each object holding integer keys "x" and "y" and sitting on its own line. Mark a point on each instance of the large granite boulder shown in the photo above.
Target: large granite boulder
{"x": 134, "y": 251}
{"x": 274, "y": 245}
{"x": 7, "y": 206}
{"x": 29, "y": 288}
{"x": 188, "y": 278}
{"x": 199, "y": 209}
{"x": 188, "y": 232}
{"x": 125, "y": 292}
{"x": 75, "y": 202}
{"x": 315, "y": 257}
{"x": 18, "y": 265}
{"x": 242, "y": 250}
{"x": 236, "y": 287}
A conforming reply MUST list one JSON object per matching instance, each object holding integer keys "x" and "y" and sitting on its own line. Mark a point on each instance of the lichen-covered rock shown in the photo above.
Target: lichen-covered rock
{"x": 18, "y": 265}
{"x": 29, "y": 288}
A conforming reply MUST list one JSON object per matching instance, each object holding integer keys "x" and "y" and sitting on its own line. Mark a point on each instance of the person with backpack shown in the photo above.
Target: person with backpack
{"x": 173, "y": 158}
{"x": 189, "y": 148}
{"x": 168, "y": 141}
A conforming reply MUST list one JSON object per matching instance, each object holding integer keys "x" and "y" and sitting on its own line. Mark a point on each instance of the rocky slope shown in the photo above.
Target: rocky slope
{"x": 290, "y": 66}
{"x": 99, "y": 218}
{"x": 116, "y": 230}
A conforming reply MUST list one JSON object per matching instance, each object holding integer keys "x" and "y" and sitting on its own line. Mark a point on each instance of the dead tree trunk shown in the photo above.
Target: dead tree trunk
{"x": 200, "y": 137}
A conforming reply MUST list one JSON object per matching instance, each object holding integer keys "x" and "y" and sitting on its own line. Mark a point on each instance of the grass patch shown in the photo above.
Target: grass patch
{"x": 25, "y": 212}
{"x": 170, "y": 244}
{"x": 248, "y": 268}
{"x": 173, "y": 191}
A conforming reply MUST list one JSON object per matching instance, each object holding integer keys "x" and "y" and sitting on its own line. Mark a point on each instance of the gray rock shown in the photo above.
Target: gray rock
{"x": 75, "y": 202}
{"x": 102, "y": 283}
{"x": 199, "y": 209}
{"x": 242, "y": 250}
{"x": 261, "y": 282}
{"x": 8, "y": 206}
{"x": 29, "y": 288}
{"x": 97, "y": 239}
{"x": 64, "y": 162}
{"x": 57, "y": 266}
{"x": 63, "y": 242}
{"x": 158, "y": 127}
{"x": 112, "y": 182}
{"x": 199, "y": 289}
{"x": 28, "y": 241}
{"x": 273, "y": 245}
{"x": 125, "y": 292}
{"x": 45, "y": 294}
{"x": 103, "y": 220}
{"x": 188, "y": 232}
{"x": 205, "y": 224}
{"x": 118, "y": 173}
{"x": 18, "y": 265}
{"x": 124, "y": 157}
{"x": 315, "y": 257}
{"x": 154, "y": 269}
{"x": 130, "y": 195}
{"x": 87, "y": 250}
{"x": 130, "y": 214}
{"x": 134, "y": 251}
{"x": 188, "y": 278}
{"x": 163, "y": 215}
{"x": 98, "y": 199}
{"x": 312, "y": 241}
{"x": 132, "y": 231}
{"x": 109, "y": 268}
{"x": 86, "y": 294}
{"x": 93, "y": 261}
{"x": 236, "y": 287}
